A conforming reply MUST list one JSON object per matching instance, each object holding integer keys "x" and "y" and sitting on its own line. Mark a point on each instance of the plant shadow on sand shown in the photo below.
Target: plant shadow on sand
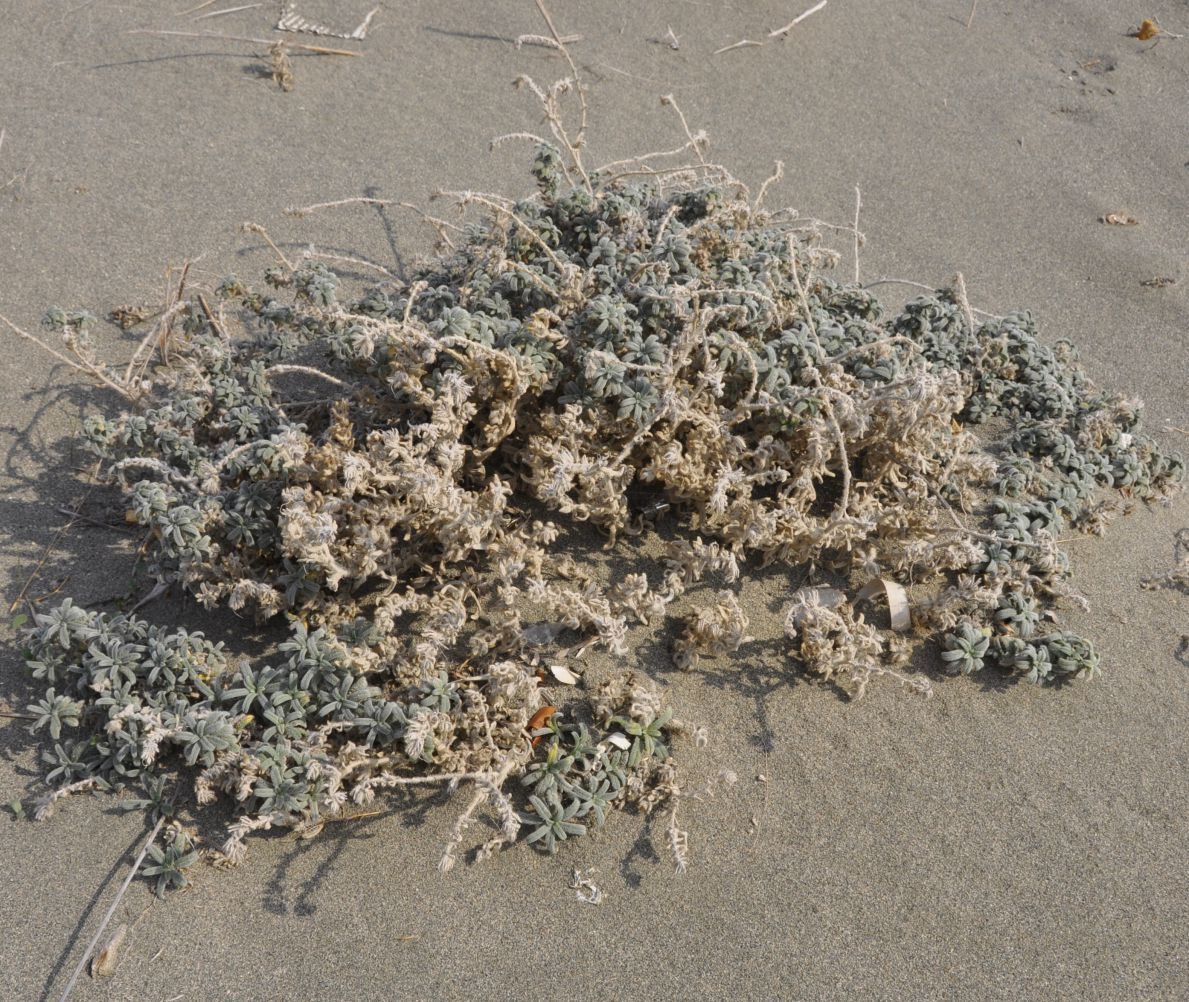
{"x": 305, "y": 866}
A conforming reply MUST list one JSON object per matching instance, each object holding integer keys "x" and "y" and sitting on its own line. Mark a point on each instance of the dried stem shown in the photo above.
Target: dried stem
{"x": 321, "y": 50}
{"x": 858, "y": 235}
{"x": 775, "y": 177}
{"x": 743, "y": 43}
{"x": 844, "y": 500}
{"x": 79, "y": 365}
{"x": 260, "y": 231}
{"x": 111, "y": 911}
{"x": 575, "y": 146}
{"x": 797, "y": 20}
{"x": 695, "y": 141}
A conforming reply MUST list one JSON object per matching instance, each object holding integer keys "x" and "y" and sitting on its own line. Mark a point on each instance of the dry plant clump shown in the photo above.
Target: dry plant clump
{"x": 401, "y": 477}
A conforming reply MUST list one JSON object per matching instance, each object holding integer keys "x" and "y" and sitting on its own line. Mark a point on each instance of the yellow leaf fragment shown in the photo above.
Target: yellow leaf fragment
{"x": 1148, "y": 29}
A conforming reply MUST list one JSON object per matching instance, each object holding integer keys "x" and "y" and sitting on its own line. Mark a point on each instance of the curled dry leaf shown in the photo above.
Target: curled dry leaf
{"x": 538, "y": 719}
{"x": 1120, "y": 219}
{"x": 104, "y": 964}
{"x": 543, "y": 714}
{"x": 897, "y": 600}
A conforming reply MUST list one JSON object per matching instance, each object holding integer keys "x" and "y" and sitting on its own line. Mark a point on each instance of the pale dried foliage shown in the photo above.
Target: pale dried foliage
{"x": 408, "y": 477}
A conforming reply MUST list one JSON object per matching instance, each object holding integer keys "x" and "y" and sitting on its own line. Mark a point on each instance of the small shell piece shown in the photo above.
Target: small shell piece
{"x": 897, "y": 600}
{"x": 563, "y": 674}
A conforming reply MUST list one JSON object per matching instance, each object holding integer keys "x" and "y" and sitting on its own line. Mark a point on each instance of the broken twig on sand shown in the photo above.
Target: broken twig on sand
{"x": 742, "y": 44}
{"x": 191, "y": 10}
{"x": 777, "y": 33}
{"x": 226, "y": 10}
{"x": 321, "y": 50}
{"x": 797, "y": 20}
{"x": 112, "y": 910}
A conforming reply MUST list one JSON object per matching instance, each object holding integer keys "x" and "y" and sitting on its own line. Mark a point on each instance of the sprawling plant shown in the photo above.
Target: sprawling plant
{"x": 403, "y": 478}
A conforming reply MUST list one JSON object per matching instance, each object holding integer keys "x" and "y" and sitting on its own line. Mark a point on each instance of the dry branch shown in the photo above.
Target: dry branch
{"x": 302, "y": 46}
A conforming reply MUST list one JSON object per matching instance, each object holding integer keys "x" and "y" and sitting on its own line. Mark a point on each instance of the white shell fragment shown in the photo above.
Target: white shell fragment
{"x": 897, "y": 600}
{"x": 620, "y": 741}
{"x": 563, "y": 674}
{"x": 582, "y": 881}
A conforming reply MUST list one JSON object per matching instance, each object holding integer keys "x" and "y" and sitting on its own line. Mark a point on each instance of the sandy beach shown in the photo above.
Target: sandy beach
{"x": 995, "y": 842}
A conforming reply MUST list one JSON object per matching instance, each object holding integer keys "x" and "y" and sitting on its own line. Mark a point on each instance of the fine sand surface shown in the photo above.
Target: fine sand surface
{"x": 992, "y": 843}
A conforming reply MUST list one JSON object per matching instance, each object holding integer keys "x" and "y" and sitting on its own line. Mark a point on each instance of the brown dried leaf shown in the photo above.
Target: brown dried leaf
{"x": 538, "y": 719}
{"x": 1120, "y": 219}
{"x": 103, "y": 965}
